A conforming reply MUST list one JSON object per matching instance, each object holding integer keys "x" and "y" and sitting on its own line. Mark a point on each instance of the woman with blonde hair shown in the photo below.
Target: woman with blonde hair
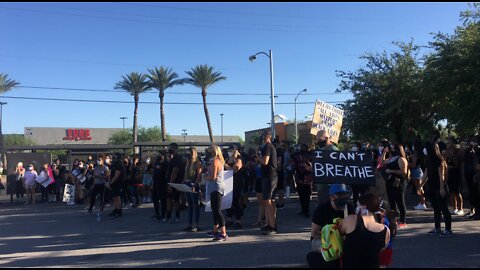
{"x": 216, "y": 189}
{"x": 20, "y": 180}
{"x": 30, "y": 185}
{"x": 193, "y": 177}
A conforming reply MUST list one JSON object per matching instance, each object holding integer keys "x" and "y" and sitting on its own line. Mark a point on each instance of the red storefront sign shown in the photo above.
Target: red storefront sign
{"x": 77, "y": 135}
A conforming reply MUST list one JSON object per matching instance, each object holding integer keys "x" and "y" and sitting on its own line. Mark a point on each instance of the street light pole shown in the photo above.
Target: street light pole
{"x": 123, "y": 118}
{"x": 2, "y": 148}
{"x": 272, "y": 89}
{"x": 221, "y": 115}
{"x": 184, "y": 134}
{"x": 296, "y": 128}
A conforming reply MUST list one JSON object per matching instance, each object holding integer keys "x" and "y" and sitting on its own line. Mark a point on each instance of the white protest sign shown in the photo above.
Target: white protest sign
{"x": 227, "y": 196}
{"x": 43, "y": 179}
{"x": 69, "y": 194}
{"x": 329, "y": 118}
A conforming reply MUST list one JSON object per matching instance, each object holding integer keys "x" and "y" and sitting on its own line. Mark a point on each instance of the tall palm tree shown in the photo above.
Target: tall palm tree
{"x": 5, "y": 86}
{"x": 161, "y": 79}
{"x": 135, "y": 84}
{"x": 203, "y": 76}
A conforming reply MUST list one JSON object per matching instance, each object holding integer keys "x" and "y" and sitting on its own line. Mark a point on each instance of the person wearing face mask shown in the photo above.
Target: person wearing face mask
{"x": 396, "y": 181}
{"x": 324, "y": 214}
{"x": 175, "y": 174}
{"x": 101, "y": 175}
{"x": 30, "y": 176}
{"x": 323, "y": 143}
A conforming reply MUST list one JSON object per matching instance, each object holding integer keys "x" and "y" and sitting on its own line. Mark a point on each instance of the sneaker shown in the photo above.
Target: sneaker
{"x": 460, "y": 213}
{"x": 265, "y": 228}
{"x": 454, "y": 212}
{"x": 446, "y": 233}
{"x": 211, "y": 234}
{"x": 435, "y": 232}
{"x": 220, "y": 238}
{"x": 269, "y": 231}
{"x": 164, "y": 220}
{"x": 194, "y": 229}
{"x": 188, "y": 229}
{"x": 402, "y": 225}
{"x": 420, "y": 206}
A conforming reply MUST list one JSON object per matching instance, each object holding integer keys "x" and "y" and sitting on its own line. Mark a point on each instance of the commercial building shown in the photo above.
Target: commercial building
{"x": 285, "y": 132}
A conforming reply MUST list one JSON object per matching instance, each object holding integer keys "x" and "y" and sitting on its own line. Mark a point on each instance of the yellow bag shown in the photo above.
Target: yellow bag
{"x": 332, "y": 241}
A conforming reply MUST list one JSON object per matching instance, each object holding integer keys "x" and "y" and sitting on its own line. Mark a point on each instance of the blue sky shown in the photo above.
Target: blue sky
{"x": 91, "y": 45}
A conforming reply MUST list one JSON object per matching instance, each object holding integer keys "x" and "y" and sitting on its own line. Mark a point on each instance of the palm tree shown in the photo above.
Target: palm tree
{"x": 202, "y": 76}
{"x": 135, "y": 84}
{"x": 5, "y": 86}
{"x": 161, "y": 79}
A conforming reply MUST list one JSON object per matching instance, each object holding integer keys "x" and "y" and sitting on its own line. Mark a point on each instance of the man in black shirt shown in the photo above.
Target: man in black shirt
{"x": 176, "y": 174}
{"x": 115, "y": 184}
{"x": 336, "y": 207}
{"x": 268, "y": 159}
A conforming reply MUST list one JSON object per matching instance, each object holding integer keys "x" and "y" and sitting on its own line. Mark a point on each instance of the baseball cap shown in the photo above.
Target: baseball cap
{"x": 338, "y": 188}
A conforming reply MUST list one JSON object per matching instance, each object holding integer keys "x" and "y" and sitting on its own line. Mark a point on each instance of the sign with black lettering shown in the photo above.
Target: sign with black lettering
{"x": 347, "y": 167}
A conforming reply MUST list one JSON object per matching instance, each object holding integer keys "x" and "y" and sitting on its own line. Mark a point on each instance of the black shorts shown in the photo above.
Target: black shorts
{"x": 281, "y": 181}
{"x": 116, "y": 190}
{"x": 268, "y": 186}
{"x": 258, "y": 185}
{"x": 174, "y": 195}
{"x": 454, "y": 180}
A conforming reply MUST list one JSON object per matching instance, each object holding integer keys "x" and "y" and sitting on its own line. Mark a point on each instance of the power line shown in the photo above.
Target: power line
{"x": 178, "y": 18}
{"x": 193, "y": 25}
{"x": 141, "y": 65}
{"x": 157, "y": 103}
{"x": 171, "y": 92}
{"x": 247, "y": 13}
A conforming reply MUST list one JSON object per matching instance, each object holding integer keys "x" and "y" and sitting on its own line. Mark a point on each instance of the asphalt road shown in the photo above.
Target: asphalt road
{"x": 57, "y": 235}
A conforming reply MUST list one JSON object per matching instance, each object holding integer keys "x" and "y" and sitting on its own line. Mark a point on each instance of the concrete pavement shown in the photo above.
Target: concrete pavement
{"x": 57, "y": 235}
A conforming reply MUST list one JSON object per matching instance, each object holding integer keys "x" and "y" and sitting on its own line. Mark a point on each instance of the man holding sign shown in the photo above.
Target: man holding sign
{"x": 323, "y": 143}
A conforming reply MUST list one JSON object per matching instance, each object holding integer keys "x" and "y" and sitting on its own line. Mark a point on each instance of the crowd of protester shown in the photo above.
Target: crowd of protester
{"x": 435, "y": 170}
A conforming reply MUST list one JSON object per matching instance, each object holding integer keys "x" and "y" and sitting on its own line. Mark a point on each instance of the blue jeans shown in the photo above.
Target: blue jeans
{"x": 193, "y": 207}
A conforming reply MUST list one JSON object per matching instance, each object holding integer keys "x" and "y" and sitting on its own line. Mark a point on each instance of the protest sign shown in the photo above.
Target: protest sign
{"x": 329, "y": 118}
{"x": 69, "y": 194}
{"x": 347, "y": 167}
{"x": 43, "y": 179}
{"x": 182, "y": 187}
{"x": 227, "y": 196}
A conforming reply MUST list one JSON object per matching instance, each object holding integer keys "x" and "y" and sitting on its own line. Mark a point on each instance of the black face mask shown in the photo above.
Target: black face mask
{"x": 340, "y": 203}
{"x": 322, "y": 143}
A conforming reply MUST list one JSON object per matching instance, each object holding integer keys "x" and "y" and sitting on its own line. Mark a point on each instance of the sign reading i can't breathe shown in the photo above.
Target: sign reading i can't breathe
{"x": 351, "y": 168}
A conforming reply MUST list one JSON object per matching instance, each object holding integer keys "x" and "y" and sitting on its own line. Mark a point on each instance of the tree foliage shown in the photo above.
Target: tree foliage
{"x": 403, "y": 94}
{"x": 124, "y": 137}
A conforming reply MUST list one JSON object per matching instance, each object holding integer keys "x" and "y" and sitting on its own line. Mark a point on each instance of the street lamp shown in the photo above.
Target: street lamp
{"x": 184, "y": 134}
{"x": 270, "y": 56}
{"x": 221, "y": 115}
{"x": 123, "y": 118}
{"x": 296, "y": 129}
